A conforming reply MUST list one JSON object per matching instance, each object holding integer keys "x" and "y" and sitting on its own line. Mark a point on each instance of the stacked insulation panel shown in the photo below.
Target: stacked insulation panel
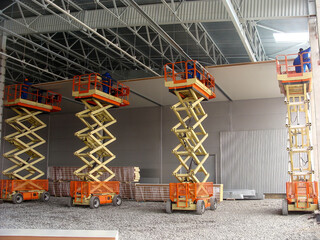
{"x": 160, "y": 192}
{"x": 152, "y": 192}
{"x": 60, "y": 177}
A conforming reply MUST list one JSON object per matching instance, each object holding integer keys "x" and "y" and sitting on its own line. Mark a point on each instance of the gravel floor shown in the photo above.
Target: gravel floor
{"x": 260, "y": 219}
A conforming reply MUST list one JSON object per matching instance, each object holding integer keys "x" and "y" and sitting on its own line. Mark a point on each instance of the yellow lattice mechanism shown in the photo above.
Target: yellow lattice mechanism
{"x": 191, "y": 134}
{"x": 25, "y": 139}
{"x": 95, "y": 135}
{"x": 299, "y": 132}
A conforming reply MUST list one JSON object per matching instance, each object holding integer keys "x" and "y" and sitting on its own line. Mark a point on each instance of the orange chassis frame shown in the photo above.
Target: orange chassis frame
{"x": 184, "y": 196}
{"x": 82, "y": 192}
{"x": 29, "y": 189}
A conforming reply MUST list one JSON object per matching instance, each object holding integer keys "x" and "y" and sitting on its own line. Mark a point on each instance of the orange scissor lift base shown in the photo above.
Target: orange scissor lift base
{"x": 302, "y": 196}
{"x": 19, "y": 190}
{"x": 94, "y": 193}
{"x": 186, "y": 196}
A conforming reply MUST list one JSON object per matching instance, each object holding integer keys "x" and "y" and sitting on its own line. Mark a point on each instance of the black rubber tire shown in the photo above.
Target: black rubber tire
{"x": 285, "y": 207}
{"x": 213, "y": 203}
{"x": 94, "y": 202}
{"x": 70, "y": 202}
{"x": 45, "y": 196}
{"x": 200, "y": 207}
{"x": 17, "y": 198}
{"x": 117, "y": 200}
{"x": 169, "y": 206}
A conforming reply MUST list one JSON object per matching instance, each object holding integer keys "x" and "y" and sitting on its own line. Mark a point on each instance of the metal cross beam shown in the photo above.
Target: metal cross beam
{"x": 100, "y": 36}
{"x": 190, "y": 11}
{"x": 247, "y": 31}
{"x": 201, "y": 36}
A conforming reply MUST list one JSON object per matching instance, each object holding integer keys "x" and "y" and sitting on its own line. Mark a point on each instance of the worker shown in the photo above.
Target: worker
{"x": 304, "y": 56}
{"x": 190, "y": 73}
{"x": 106, "y": 82}
{"x": 40, "y": 95}
{"x": 25, "y": 88}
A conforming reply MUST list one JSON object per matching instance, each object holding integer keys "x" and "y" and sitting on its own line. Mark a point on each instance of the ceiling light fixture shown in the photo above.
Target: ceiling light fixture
{"x": 291, "y": 37}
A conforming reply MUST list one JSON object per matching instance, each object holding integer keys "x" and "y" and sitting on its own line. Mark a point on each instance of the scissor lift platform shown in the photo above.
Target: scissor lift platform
{"x": 191, "y": 86}
{"x": 295, "y": 84}
{"x": 33, "y": 98}
{"x": 92, "y": 86}
{"x": 27, "y": 102}
{"x": 98, "y": 95}
{"x": 187, "y": 77}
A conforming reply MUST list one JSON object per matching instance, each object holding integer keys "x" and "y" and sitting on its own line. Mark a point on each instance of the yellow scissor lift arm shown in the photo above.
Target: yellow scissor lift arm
{"x": 295, "y": 84}
{"x": 98, "y": 95}
{"x": 191, "y": 86}
{"x": 24, "y": 181}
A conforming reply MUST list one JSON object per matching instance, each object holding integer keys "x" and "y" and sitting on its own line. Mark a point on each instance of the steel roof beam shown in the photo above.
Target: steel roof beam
{"x": 31, "y": 65}
{"x": 241, "y": 29}
{"x": 67, "y": 50}
{"x": 93, "y": 31}
{"x": 157, "y": 28}
{"x": 202, "y": 37}
{"x": 167, "y": 37}
{"x": 147, "y": 39}
{"x": 190, "y": 12}
{"x": 43, "y": 48}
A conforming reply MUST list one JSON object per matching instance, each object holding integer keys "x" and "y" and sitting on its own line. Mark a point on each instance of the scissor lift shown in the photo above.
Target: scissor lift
{"x": 23, "y": 181}
{"x": 191, "y": 86}
{"x": 301, "y": 191}
{"x": 98, "y": 96}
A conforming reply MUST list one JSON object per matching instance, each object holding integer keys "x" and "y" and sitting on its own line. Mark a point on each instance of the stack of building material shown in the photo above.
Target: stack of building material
{"x": 218, "y": 192}
{"x": 59, "y": 180}
{"x": 127, "y": 176}
{"x": 160, "y": 192}
{"x": 152, "y": 192}
{"x": 60, "y": 177}
{"x": 242, "y": 194}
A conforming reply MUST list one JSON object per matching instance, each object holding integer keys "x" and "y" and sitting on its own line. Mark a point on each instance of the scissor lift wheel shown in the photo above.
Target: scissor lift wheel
{"x": 94, "y": 202}
{"x": 200, "y": 207}
{"x": 17, "y": 198}
{"x": 284, "y": 207}
{"x": 117, "y": 200}
{"x": 169, "y": 206}
{"x": 213, "y": 203}
{"x": 45, "y": 196}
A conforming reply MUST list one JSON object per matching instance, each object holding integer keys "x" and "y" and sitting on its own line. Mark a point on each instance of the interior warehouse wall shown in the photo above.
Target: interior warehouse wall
{"x": 144, "y": 136}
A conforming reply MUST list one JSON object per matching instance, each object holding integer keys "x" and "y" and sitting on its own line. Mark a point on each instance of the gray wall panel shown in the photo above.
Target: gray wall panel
{"x": 254, "y": 160}
{"x": 144, "y": 138}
